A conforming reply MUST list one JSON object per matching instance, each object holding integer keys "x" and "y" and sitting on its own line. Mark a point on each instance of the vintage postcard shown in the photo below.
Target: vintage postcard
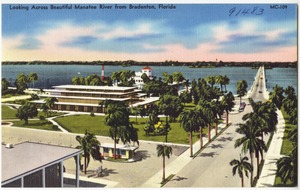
{"x": 149, "y": 95}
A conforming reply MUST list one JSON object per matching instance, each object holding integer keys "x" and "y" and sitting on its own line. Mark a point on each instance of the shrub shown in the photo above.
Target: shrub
{"x": 42, "y": 118}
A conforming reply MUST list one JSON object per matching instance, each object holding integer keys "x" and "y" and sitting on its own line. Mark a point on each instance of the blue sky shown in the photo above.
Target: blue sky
{"x": 188, "y": 33}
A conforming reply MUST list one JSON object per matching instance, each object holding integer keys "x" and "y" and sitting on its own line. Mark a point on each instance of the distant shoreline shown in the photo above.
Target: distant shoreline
{"x": 128, "y": 63}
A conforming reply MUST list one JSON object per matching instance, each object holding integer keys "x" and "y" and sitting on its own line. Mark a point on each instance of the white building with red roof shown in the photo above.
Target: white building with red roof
{"x": 138, "y": 76}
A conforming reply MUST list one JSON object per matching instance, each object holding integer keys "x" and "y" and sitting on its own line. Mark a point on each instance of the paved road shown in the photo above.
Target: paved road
{"x": 211, "y": 168}
{"x": 258, "y": 90}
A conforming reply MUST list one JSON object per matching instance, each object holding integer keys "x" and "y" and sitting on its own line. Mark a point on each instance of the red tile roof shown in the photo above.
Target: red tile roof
{"x": 147, "y": 68}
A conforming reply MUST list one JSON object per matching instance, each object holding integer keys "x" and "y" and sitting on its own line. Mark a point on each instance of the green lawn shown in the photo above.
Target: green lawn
{"x": 287, "y": 146}
{"x": 8, "y": 113}
{"x": 96, "y": 125}
{"x": 35, "y": 124}
{"x": 286, "y": 149}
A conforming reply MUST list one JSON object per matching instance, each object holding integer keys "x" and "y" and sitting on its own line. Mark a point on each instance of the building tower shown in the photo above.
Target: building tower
{"x": 102, "y": 73}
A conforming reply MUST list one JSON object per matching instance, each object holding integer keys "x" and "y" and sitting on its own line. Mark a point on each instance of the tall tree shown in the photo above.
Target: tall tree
{"x": 21, "y": 83}
{"x": 117, "y": 118}
{"x": 4, "y": 85}
{"x": 189, "y": 121}
{"x": 241, "y": 166}
{"x": 227, "y": 104}
{"x": 211, "y": 80}
{"x": 263, "y": 117}
{"x": 50, "y": 101}
{"x": 209, "y": 114}
{"x": 115, "y": 76}
{"x": 241, "y": 88}
{"x": 202, "y": 114}
{"x": 276, "y": 96}
{"x": 90, "y": 146}
{"x": 178, "y": 77}
{"x": 287, "y": 169}
{"x": 32, "y": 77}
{"x": 76, "y": 80}
{"x": 217, "y": 111}
{"x": 220, "y": 81}
{"x": 164, "y": 151}
{"x": 226, "y": 81}
{"x": 28, "y": 110}
{"x": 167, "y": 78}
{"x": 249, "y": 141}
{"x": 194, "y": 91}
{"x": 170, "y": 105}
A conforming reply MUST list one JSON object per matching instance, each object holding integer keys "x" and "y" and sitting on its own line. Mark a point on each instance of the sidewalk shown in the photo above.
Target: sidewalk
{"x": 268, "y": 173}
{"x": 175, "y": 166}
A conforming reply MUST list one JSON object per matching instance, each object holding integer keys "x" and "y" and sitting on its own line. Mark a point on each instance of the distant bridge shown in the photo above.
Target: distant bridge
{"x": 258, "y": 90}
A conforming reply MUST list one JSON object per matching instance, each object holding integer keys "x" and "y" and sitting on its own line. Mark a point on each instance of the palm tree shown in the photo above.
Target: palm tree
{"x": 203, "y": 114}
{"x": 76, "y": 80}
{"x": 219, "y": 80}
{"x": 290, "y": 101}
{"x": 241, "y": 88}
{"x": 211, "y": 80}
{"x": 164, "y": 151}
{"x": 117, "y": 118}
{"x": 21, "y": 83}
{"x": 241, "y": 166}
{"x": 209, "y": 115}
{"x": 90, "y": 146}
{"x": 50, "y": 102}
{"x": 189, "y": 120}
{"x": 287, "y": 169}
{"x": 227, "y": 104}
{"x": 216, "y": 109}
{"x": 167, "y": 78}
{"x": 187, "y": 84}
{"x": 115, "y": 77}
{"x": 226, "y": 81}
{"x": 4, "y": 85}
{"x": 276, "y": 96}
{"x": 250, "y": 142}
{"x": 32, "y": 77}
{"x": 263, "y": 116}
{"x": 96, "y": 81}
{"x": 178, "y": 77}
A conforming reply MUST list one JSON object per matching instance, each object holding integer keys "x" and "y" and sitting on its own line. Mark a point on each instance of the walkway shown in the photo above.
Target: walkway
{"x": 268, "y": 174}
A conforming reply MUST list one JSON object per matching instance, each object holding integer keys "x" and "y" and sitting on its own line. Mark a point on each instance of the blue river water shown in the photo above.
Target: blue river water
{"x": 51, "y": 75}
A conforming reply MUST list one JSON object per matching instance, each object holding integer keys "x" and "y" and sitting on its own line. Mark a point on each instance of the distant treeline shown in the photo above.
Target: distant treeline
{"x": 197, "y": 64}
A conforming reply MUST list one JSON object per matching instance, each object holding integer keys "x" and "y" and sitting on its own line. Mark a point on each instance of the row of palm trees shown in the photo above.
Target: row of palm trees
{"x": 208, "y": 110}
{"x": 22, "y": 81}
{"x": 262, "y": 120}
{"x": 287, "y": 166}
{"x": 92, "y": 80}
{"x": 222, "y": 80}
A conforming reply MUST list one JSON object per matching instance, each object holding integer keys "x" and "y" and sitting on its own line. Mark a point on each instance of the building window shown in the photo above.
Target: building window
{"x": 105, "y": 150}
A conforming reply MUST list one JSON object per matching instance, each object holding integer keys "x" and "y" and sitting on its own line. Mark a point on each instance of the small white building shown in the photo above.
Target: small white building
{"x": 138, "y": 76}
